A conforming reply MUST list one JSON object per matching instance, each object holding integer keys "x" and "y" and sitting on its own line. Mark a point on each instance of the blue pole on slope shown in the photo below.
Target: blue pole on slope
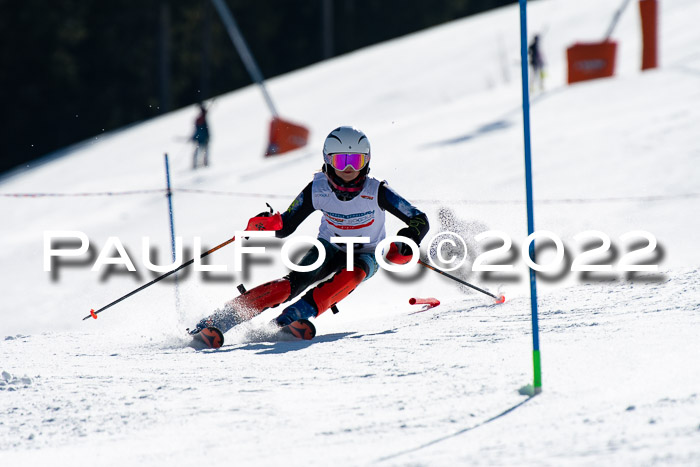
{"x": 528, "y": 189}
{"x": 169, "y": 194}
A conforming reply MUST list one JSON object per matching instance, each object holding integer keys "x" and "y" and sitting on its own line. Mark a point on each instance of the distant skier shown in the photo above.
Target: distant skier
{"x": 201, "y": 139}
{"x": 353, "y": 204}
{"x": 536, "y": 63}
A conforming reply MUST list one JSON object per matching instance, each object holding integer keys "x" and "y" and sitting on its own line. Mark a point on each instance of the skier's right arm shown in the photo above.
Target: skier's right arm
{"x": 298, "y": 211}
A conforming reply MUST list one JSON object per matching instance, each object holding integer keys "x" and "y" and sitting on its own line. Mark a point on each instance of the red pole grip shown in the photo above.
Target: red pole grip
{"x": 433, "y": 302}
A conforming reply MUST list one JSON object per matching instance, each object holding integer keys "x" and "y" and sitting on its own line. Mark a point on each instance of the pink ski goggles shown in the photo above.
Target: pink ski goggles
{"x": 341, "y": 161}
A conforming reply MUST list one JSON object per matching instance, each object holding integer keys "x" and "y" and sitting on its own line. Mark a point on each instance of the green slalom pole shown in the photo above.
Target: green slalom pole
{"x": 537, "y": 387}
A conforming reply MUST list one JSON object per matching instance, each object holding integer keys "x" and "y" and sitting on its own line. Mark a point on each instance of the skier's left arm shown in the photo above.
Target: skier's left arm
{"x": 416, "y": 221}
{"x": 301, "y": 208}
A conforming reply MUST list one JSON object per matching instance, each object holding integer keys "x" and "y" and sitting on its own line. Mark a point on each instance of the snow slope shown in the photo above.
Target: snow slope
{"x": 381, "y": 384}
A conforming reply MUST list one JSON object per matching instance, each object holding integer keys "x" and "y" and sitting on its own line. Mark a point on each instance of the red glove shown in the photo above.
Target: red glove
{"x": 396, "y": 256}
{"x": 265, "y": 221}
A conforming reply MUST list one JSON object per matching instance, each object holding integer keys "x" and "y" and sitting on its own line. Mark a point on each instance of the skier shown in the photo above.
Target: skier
{"x": 201, "y": 138}
{"x": 536, "y": 63}
{"x": 353, "y": 204}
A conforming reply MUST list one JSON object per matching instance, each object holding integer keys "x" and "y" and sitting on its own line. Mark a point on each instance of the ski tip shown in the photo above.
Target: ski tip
{"x": 302, "y": 329}
{"x": 501, "y": 299}
{"x": 210, "y": 337}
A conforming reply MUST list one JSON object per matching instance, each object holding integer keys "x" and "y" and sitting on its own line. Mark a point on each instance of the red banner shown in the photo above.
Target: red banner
{"x": 591, "y": 60}
{"x": 285, "y": 136}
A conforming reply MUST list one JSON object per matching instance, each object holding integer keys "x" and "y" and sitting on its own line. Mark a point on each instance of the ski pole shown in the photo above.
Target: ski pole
{"x": 94, "y": 313}
{"x": 500, "y": 299}
{"x": 268, "y": 222}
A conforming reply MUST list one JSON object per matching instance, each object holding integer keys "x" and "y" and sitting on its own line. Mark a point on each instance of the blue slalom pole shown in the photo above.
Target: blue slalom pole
{"x": 169, "y": 194}
{"x": 528, "y": 190}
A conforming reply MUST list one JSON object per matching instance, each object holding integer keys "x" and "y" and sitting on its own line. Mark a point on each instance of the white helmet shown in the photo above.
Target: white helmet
{"x": 345, "y": 139}
{"x": 350, "y": 146}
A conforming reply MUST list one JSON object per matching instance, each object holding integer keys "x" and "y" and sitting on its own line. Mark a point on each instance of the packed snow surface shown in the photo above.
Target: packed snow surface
{"x": 384, "y": 382}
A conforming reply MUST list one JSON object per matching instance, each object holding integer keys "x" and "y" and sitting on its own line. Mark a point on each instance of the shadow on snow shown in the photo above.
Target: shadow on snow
{"x": 453, "y": 435}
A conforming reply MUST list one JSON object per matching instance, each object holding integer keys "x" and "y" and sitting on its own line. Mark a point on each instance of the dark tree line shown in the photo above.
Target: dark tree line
{"x": 71, "y": 69}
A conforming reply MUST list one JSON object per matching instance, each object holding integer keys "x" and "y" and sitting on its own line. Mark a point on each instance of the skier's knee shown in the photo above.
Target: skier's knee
{"x": 332, "y": 291}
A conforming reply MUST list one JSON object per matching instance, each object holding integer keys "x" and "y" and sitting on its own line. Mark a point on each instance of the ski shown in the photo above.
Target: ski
{"x": 207, "y": 338}
{"x": 212, "y": 338}
{"x": 301, "y": 329}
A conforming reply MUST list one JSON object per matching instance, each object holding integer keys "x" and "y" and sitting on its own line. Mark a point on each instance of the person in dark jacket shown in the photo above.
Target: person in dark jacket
{"x": 201, "y": 139}
{"x": 537, "y": 72}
